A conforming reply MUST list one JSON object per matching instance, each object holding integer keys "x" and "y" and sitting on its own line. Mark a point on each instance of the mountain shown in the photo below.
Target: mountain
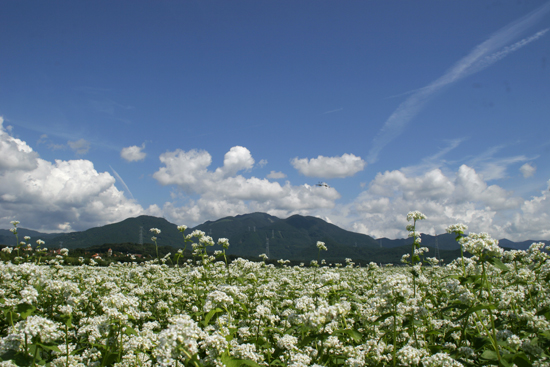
{"x": 447, "y": 241}
{"x": 8, "y": 238}
{"x": 250, "y": 235}
{"x": 291, "y": 238}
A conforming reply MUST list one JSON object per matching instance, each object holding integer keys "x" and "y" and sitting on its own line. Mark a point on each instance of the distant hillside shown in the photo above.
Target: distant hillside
{"x": 448, "y": 242}
{"x": 294, "y": 238}
{"x": 8, "y": 238}
{"x": 250, "y": 235}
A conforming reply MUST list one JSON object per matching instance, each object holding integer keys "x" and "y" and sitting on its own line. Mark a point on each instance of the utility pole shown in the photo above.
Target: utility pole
{"x": 437, "y": 255}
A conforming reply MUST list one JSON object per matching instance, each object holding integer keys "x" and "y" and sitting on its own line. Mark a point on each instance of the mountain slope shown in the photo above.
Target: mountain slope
{"x": 250, "y": 235}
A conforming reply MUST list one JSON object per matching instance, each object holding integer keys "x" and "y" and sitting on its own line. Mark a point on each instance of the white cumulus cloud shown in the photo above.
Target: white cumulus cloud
{"x": 276, "y": 175}
{"x": 133, "y": 153}
{"x": 329, "y": 167}
{"x": 14, "y": 153}
{"x": 527, "y": 170}
{"x": 56, "y": 196}
{"x": 461, "y": 197}
{"x": 223, "y": 191}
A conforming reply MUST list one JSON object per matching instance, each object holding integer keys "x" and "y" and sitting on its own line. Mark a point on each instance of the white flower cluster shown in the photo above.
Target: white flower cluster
{"x": 481, "y": 244}
{"x": 216, "y": 314}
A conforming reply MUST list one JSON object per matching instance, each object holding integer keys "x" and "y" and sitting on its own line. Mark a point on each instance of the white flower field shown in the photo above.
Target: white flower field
{"x": 489, "y": 309}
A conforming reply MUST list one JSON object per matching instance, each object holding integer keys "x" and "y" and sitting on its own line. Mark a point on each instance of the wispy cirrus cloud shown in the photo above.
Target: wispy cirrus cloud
{"x": 483, "y": 55}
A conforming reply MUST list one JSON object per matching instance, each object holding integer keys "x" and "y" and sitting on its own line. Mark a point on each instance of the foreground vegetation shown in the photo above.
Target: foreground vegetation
{"x": 488, "y": 309}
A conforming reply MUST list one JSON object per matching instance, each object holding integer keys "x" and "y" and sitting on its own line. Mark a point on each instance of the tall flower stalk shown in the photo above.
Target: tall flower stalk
{"x": 156, "y": 232}
{"x": 415, "y": 257}
{"x": 458, "y": 230}
{"x": 322, "y": 247}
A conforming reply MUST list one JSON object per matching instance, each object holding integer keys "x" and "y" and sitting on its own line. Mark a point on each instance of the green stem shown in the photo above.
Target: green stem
{"x": 67, "y": 342}
{"x": 34, "y": 356}
{"x": 394, "y": 351}
{"x": 258, "y": 331}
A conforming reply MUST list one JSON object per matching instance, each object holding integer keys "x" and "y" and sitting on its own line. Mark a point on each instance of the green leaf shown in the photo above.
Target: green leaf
{"x": 353, "y": 334}
{"x": 130, "y": 331}
{"x": 521, "y": 360}
{"x": 67, "y": 319}
{"x": 385, "y": 316}
{"x": 545, "y": 311}
{"x": 490, "y": 355}
{"x": 475, "y": 309}
{"x": 497, "y": 263}
{"x": 233, "y": 362}
{"x": 49, "y": 346}
{"x": 110, "y": 358}
{"x": 454, "y": 305}
{"x": 25, "y": 310}
{"x": 211, "y": 314}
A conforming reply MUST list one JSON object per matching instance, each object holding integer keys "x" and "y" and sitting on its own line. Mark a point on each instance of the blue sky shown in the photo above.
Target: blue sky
{"x": 195, "y": 110}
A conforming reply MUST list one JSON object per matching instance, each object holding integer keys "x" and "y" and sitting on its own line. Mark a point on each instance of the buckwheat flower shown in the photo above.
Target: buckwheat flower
{"x": 457, "y": 228}
{"x": 263, "y": 257}
{"x": 214, "y": 345}
{"x": 64, "y": 252}
{"x": 7, "y": 249}
{"x": 414, "y": 234}
{"x": 182, "y": 335}
{"x": 15, "y": 222}
{"x": 536, "y": 246}
{"x": 8, "y": 364}
{"x": 467, "y": 352}
{"x": 480, "y": 244}
{"x": 182, "y": 228}
{"x": 37, "y": 326}
{"x": 27, "y": 238}
{"x": 246, "y": 351}
{"x": 287, "y": 342}
{"x": 440, "y": 360}
{"x": 206, "y": 241}
{"x": 415, "y": 215}
{"x": 29, "y": 295}
{"x": 330, "y": 277}
{"x": 154, "y": 239}
{"x": 409, "y": 356}
{"x": 40, "y": 242}
{"x": 299, "y": 360}
{"x": 195, "y": 233}
{"x": 321, "y": 246}
{"x": 224, "y": 242}
{"x": 216, "y": 298}
{"x": 421, "y": 251}
{"x": 155, "y": 231}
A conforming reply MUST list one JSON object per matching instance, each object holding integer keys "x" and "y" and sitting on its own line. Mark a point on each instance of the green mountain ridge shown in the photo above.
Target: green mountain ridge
{"x": 250, "y": 235}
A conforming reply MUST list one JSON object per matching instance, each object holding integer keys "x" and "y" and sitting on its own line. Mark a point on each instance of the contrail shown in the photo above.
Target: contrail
{"x": 482, "y": 56}
{"x": 123, "y": 183}
{"x": 332, "y": 111}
